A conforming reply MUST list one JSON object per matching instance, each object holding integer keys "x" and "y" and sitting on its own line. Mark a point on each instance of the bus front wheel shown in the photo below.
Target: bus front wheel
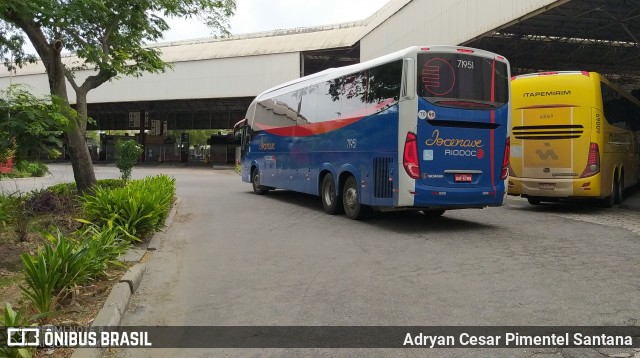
{"x": 351, "y": 201}
{"x": 255, "y": 182}
{"x": 331, "y": 203}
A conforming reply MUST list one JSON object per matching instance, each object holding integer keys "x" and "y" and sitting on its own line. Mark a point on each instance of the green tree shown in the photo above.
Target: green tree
{"x": 108, "y": 37}
{"x": 127, "y": 154}
{"x": 33, "y": 125}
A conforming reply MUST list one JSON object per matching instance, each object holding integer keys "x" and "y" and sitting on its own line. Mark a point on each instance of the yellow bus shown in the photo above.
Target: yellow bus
{"x": 574, "y": 135}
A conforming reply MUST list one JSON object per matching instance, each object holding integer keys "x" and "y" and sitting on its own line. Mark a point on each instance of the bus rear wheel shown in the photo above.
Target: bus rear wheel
{"x": 533, "y": 201}
{"x": 619, "y": 190}
{"x": 433, "y": 213}
{"x": 255, "y": 182}
{"x": 611, "y": 199}
{"x": 331, "y": 202}
{"x": 351, "y": 202}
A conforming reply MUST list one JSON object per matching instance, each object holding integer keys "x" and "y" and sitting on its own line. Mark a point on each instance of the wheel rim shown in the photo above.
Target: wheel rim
{"x": 256, "y": 180}
{"x": 329, "y": 194}
{"x": 351, "y": 197}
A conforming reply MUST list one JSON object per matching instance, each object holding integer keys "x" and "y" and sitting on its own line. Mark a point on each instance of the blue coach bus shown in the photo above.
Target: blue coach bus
{"x": 424, "y": 128}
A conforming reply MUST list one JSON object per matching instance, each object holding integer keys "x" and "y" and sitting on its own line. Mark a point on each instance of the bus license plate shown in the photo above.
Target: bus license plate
{"x": 547, "y": 186}
{"x": 463, "y": 178}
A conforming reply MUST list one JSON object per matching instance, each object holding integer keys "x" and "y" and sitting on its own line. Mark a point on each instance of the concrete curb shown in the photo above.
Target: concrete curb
{"x": 110, "y": 315}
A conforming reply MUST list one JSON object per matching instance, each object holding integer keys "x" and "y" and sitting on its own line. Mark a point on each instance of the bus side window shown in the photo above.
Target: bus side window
{"x": 246, "y": 137}
{"x": 308, "y": 105}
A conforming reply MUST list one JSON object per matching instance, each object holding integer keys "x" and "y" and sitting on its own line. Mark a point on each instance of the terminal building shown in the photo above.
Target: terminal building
{"x": 214, "y": 80}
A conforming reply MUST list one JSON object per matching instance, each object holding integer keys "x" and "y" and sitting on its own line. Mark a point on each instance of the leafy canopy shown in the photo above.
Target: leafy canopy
{"x": 32, "y": 124}
{"x": 106, "y": 35}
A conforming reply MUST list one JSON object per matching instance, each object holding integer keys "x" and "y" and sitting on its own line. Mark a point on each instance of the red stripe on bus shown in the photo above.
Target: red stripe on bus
{"x": 310, "y": 129}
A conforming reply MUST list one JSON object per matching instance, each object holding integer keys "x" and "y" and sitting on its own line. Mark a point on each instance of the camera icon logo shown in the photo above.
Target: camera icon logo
{"x": 23, "y": 337}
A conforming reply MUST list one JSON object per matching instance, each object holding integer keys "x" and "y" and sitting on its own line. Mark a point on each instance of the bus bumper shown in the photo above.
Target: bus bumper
{"x": 555, "y": 188}
{"x": 428, "y": 197}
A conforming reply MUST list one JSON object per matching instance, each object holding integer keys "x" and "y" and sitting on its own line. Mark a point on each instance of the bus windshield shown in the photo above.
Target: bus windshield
{"x": 462, "y": 80}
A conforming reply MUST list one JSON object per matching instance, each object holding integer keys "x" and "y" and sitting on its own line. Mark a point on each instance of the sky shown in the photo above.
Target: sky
{"x": 267, "y": 15}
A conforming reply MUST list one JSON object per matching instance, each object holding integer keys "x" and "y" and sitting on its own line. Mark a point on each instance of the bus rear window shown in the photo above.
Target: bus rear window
{"x": 462, "y": 80}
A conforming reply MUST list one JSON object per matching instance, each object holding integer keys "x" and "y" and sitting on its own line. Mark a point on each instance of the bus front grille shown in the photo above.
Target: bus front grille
{"x": 568, "y": 131}
{"x": 383, "y": 183}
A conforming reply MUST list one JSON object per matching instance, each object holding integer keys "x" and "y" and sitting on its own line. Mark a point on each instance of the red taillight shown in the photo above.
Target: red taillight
{"x": 586, "y": 73}
{"x": 465, "y": 50}
{"x": 593, "y": 161}
{"x": 410, "y": 157}
{"x": 424, "y": 49}
{"x": 549, "y": 73}
{"x": 505, "y": 159}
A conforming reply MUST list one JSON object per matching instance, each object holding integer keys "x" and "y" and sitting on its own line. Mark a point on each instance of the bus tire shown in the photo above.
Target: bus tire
{"x": 533, "y": 201}
{"x": 619, "y": 190}
{"x": 255, "y": 182}
{"x": 433, "y": 213}
{"x": 331, "y": 202}
{"x": 610, "y": 200}
{"x": 351, "y": 201}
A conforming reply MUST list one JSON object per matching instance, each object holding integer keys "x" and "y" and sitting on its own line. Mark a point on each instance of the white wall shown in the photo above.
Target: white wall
{"x": 215, "y": 78}
{"x": 443, "y": 22}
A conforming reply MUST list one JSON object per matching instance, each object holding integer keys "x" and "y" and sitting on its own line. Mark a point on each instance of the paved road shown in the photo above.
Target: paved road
{"x": 233, "y": 258}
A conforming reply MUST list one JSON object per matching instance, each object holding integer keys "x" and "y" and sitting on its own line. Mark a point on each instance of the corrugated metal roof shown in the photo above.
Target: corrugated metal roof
{"x": 295, "y": 40}
{"x": 262, "y": 43}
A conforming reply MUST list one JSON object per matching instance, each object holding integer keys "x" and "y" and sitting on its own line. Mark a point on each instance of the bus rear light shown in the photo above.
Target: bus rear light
{"x": 586, "y": 73}
{"x": 505, "y": 159}
{"x": 410, "y": 157}
{"x": 465, "y": 50}
{"x": 424, "y": 49}
{"x": 548, "y": 73}
{"x": 593, "y": 161}
{"x": 500, "y": 58}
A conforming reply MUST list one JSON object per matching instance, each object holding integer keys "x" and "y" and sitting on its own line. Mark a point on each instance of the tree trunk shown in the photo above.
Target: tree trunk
{"x": 81, "y": 107}
{"x": 50, "y": 54}
{"x": 81, "y": 162}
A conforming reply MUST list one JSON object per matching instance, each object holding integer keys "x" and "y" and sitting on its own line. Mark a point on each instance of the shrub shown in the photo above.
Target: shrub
{"x": 29, "y": 169}
{"x": 127, "y": 154}
{"x": 14, "y": 212}
{"x": 6, "y": 210}
{"x": 139, "y": 208}
{"x": 11, "y": 318}
{"x": 104, "y": 245}
{"x": 66, "y": 261}
{"x": 111, "y": 183}
{"x": 64, "y": 189}
{"x": 70, "y": 188}
{"x": 61, "y": 263}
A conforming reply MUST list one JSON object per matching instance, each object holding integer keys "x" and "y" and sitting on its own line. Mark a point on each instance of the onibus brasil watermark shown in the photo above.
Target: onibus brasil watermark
{"x": 75, "y": 337}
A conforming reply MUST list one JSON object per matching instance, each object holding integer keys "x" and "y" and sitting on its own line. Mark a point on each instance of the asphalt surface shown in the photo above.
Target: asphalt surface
{"x": 234, "y": 258}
